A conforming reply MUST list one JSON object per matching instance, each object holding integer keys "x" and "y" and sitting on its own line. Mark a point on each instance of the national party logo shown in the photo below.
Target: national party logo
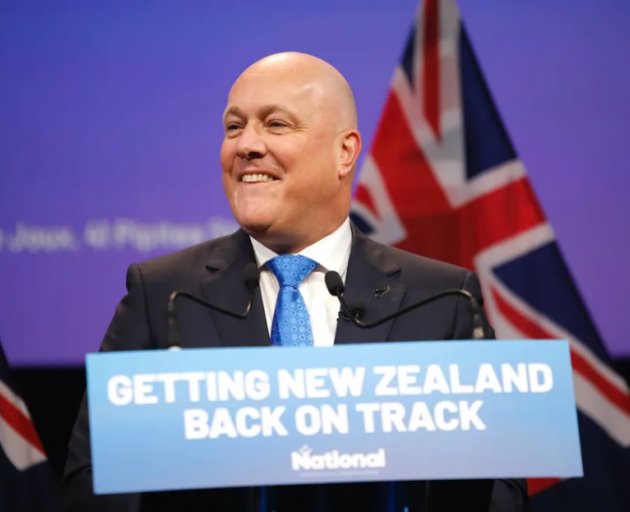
{"x": 305, "y": 460}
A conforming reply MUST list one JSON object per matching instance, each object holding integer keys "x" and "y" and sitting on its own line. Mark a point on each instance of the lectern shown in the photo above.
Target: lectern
{"x": 457, "y": 413}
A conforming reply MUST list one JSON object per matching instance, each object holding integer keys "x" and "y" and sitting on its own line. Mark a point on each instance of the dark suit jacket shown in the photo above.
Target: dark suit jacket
{"x": 214, "y": 270}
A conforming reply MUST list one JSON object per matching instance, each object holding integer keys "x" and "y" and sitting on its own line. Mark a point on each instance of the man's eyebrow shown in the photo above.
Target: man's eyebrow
{"x": 272, "y": 109}
{"x": 263, "y": 111}
{"x": 233, "y": 110}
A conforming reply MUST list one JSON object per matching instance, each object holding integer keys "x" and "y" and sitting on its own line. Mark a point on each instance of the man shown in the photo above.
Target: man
{"x": 288, "y": 158}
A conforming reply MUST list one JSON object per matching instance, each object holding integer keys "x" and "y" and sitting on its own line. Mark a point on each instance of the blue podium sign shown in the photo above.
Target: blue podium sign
{"x": 163, "y": 420}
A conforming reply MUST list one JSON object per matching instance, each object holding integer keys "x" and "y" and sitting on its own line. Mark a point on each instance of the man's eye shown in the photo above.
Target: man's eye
{"x": 231, "y": 127}
{"x": 277, "y": 124}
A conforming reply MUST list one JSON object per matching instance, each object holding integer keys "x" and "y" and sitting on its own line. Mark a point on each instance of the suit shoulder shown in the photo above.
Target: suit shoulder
{"x": 184, "y": 262}
{"x": 423, "y": 271}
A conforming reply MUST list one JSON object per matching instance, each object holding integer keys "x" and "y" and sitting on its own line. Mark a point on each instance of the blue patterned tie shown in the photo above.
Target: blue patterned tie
{"x": 291, "y": 324}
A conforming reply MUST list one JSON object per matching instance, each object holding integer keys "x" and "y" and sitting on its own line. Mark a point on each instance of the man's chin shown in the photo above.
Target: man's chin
{"x": 254, "y": 227}
{"x": 269, "y": 234}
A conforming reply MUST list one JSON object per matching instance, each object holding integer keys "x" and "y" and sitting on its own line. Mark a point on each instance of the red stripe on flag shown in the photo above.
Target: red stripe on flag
{"x": 429, "y": 220}
{"x": 495, "y": 217}
{"x": 526, "y": 326}
{"x": 580, "y": 364}
{"x": 431, "y": 65}
{"x": 536, "y": 485}
{"x": 612, "y": 392}
{"x": 20, "y": 423}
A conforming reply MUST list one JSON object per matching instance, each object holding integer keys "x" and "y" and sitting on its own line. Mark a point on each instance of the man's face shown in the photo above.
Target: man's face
{"x": 278, "y": 155}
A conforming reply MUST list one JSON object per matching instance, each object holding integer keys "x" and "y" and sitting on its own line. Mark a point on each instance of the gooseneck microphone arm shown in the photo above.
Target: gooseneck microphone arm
{"x": 336, "y": 287}
{"x": 251, "y": 277}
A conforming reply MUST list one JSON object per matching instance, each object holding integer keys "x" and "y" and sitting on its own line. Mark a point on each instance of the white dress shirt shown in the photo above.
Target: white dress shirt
{"x": 331, "y": 253}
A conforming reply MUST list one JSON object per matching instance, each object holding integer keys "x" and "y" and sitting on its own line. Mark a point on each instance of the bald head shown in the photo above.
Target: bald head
{"x": 324, "y": 81}
{"x": 290, "y": 150}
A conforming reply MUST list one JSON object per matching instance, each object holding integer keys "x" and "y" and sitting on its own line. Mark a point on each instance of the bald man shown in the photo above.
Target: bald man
{"x": 288, "y": 158}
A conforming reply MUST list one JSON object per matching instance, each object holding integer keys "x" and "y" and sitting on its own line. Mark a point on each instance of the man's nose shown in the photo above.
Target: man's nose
{"x": 250, "y": 144}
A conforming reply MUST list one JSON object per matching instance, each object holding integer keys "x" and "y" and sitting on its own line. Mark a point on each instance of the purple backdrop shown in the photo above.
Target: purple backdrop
{"x": 110, "y": 127}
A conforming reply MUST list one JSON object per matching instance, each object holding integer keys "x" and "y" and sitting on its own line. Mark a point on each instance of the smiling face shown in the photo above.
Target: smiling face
{"x": 289, "y": 151}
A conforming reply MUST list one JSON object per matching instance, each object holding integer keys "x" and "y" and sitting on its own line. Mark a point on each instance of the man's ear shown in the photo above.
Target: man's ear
{"x": 350, "y": 149}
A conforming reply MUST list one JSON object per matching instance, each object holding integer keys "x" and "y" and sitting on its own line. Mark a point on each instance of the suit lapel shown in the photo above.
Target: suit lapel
{"x": 224, "y": 287}
{"x": 370, "y": 268}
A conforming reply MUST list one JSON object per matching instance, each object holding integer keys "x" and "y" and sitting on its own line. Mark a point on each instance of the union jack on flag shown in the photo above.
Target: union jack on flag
{"x": 26, "y": 483}
{"x": 442, "y": 179}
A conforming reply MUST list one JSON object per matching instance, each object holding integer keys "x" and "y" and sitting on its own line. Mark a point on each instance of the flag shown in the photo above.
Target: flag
{"x": 26, "y": 482}
{"x": 442, "y": 179}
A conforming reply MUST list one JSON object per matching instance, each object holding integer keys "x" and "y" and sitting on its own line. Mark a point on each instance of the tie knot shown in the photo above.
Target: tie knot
{"x": 291, "y": 270}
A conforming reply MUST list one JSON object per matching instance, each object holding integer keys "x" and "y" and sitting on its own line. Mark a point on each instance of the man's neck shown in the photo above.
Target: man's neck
{"x": 294, "y": 245}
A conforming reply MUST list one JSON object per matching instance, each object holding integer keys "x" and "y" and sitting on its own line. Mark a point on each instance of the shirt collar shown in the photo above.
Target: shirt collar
{"x": 331, "y": 252}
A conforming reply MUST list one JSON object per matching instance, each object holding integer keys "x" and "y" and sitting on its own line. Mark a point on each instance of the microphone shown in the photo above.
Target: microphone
{"x": 251, "y": 279}
{"x": 354, "y": 312}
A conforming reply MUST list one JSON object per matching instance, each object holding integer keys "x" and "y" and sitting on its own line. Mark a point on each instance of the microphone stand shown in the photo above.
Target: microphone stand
{"x": 251, "y": 277}
{"x": 336, "y": 287}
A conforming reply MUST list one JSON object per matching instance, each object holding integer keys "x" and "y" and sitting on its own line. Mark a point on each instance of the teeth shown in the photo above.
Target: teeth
{"x": 254, "y": 178}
